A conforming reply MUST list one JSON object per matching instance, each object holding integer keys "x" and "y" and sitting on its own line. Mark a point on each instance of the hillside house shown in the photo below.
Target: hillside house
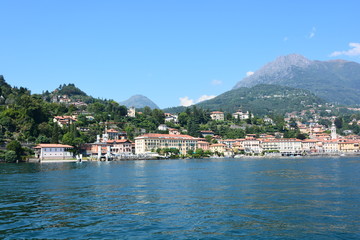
{"x": 217, "y": 116}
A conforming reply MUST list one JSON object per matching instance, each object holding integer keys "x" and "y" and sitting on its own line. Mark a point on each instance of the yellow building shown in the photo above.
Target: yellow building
{"x": 218, "y": 147}
{"x": 348, "y": 146}
{"x": 151, "y": 142}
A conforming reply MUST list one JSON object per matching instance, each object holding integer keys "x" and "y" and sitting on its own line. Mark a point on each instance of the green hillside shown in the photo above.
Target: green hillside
{"x": 262, "y": 99}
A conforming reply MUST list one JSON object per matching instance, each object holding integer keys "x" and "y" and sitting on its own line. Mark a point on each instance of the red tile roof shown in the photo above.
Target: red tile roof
{"x": 173, "y": 136}
{"x": 119, "y": 141}
{"x": 218, "y": 145}
{"x": 112, "y": 130}
{"x": 46, "y": 145}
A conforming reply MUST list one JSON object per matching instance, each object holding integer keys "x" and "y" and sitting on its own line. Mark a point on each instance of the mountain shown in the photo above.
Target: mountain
{"x": 139, "y": 101}
{"x": 335, "y": 81}
{"x": 262, "y": 99}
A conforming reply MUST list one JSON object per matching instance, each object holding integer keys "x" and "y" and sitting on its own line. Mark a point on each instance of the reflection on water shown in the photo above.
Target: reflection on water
{"x": 183, "y": 199}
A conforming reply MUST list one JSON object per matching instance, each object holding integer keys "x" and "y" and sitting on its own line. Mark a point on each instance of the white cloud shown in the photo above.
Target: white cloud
{"x": 249, "y": 73}
{"x": 186, "y": 101}
{"x": 216, "y": 82}
{"x": 204, "y": 98}
{"x": 312, "y": 33}
{"x": 353, "y": 51}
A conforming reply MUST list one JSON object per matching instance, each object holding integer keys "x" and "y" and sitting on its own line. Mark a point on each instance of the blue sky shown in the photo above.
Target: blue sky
{"x": 170, "y": 51}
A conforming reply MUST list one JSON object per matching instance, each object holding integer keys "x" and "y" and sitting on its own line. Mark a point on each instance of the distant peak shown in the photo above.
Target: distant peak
{"x": 293, "y": 59}
{"x": 139, "y": 101}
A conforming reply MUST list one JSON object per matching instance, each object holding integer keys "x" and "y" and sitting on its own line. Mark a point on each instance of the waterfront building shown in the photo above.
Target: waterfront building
{"x": 218, "y": 147}
{"x": 330, "y": 146}
{"x": 152, "y": 141}
{"x": 120, "y": 146}
{"x": 290, "y": 145}
{"x": 348, "y": 146}
{"x": 252, "y": 145}
{"x": 216, "y": 115}
{"x": 203, "y": 145}
{"x": 270, "y": 145}
{"x": 53, "y": 152}
{"x": 286, "y": 146}
{"x": 228, "y": 142}
{"x": 309, "y": 145}
{"x": 238, "y": 146}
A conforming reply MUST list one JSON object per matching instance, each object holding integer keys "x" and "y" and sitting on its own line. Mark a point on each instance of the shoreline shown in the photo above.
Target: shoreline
{"x": 239, "y": 158}
{"x": 54, "y": 160}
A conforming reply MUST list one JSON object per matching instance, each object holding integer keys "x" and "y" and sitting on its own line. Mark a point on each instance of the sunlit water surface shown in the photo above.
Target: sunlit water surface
{"x": 292, "y": 198}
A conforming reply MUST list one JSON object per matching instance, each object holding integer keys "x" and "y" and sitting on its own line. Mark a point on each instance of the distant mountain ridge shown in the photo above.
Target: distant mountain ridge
{"x": 336, "y": 81}
{"x": 139, "y": 101}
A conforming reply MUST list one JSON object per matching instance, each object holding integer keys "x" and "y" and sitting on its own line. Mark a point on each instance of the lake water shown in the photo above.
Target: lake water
{"x": 288, "y": 198}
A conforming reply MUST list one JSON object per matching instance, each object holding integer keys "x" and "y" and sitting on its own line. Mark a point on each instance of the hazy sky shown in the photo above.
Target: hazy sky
{"x": 170, "y": 51}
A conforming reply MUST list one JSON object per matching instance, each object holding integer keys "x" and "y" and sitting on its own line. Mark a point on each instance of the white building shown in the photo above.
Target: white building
{"x": 330, "y": 146}
{"x": 242, "y": 115}
{"x": 53, "y": 152}
{"x": 162, "y": 127}
{"x": 286, "y": 146}
{"x": 310, "y": 145}
{"x": 216, "y": 115}
{"x": 252, "y": 145}
{"x": 131, "y": 112}
{"x": 171, "y": 118}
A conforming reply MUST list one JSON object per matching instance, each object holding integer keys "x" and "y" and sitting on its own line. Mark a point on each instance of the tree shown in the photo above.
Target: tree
{"x": 228, "y": 117}
{"x": 208, "y": 138}
{"x": 147, "y": 110}
{"x": 55, "y": 135}
{"x": 158, "y": 115}
{"x": 16, "y": 147}
{"x": 301, "y": 136}
{"x": 193, "y": 128}
{"x": 183, "y": 118}
{"x": 339, "y": 122}
{"x": 11, "y": 156}
{"x": 42, "y": 139}
{"x": 199, "y": 152}
{"x": 190, "y": 152}
{"x": 68, "y": 139}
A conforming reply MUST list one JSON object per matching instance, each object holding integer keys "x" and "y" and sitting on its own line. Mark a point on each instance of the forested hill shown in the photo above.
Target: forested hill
{"x": 70, "y": 90}
{"x": 29, "y": 117}
{"x": 262, "y": 99}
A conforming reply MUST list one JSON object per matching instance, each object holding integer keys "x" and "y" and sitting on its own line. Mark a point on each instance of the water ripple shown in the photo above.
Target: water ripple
{"x": 182, "y": 199}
